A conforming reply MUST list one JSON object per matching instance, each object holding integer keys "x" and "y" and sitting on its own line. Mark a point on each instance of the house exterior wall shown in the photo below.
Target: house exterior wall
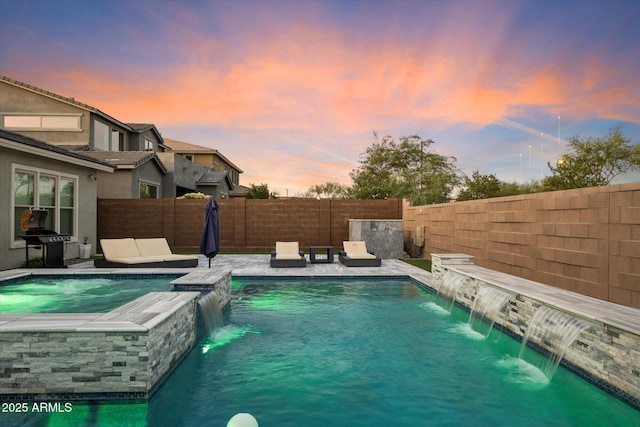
{"x": 125, "y": 183}
{"x": 148, "y": 172}
{"x": 182, "y": 173}
{"x": 113, "y": 127}
{"x": 216, "y": 191}
{"x": 217, "y": 163}
{"x": 202, "y": 159}
{"x": 137, "y": 141}
{"x": 119, "y": 185}
{"x": 19, "y": 100}
{"x": 12, "y": 255}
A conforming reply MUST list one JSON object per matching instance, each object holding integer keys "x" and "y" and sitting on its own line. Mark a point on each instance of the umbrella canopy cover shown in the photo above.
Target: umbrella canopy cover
{"x": 210, "y": 243}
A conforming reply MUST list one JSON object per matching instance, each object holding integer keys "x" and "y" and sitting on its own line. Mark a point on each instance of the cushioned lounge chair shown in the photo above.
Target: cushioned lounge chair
{"x": 355, "y": 254}
{"x": 287, "y": 254}
{"x": 141, "y": 253}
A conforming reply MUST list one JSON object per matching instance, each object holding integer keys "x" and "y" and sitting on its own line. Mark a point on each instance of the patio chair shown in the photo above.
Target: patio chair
{"x": 287, "y": 254}
{"x": 355, "y": 254}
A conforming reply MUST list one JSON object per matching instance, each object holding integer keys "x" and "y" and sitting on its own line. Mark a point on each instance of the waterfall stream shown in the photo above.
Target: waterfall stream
{"x": 451, "y": 283}
{"x": 486, "y": 307}
{"x": 211, "y": 312}
{"x": 554, "y": 331}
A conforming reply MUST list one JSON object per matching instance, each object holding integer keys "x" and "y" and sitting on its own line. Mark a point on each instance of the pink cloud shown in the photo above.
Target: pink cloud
{"x": 298, "y": 82}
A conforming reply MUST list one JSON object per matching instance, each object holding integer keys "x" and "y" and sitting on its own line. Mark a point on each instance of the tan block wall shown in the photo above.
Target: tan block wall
{"x": 244, "y": 224}
{"x": 585, "y": 240}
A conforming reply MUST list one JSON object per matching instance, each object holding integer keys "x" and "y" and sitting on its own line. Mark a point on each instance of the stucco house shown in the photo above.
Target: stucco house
{"x": 35, "y": 174}
{"x": 219, "y": 176}
{"x": 96, "y": 156}
{"x": 75, "y": 126}
{"x": 145, "y": 166}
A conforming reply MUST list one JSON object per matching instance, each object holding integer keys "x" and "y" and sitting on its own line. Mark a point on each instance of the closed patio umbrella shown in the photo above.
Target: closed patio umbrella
{"x": 210, "y": 243}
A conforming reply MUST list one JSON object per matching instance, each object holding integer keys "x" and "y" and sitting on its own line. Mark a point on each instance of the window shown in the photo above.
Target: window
{"x": 148, "y": 145}
{"x": 148, "y": 190}
{"x": 117, "y": 141}
{"x": 189, "y": 157}
{"x": 42, "y": 122}
{"x": 23, "y": 197}
{"x": 107, "y": 139}
{"x": 100, "y": 136}
{"x": 67, "y": 204}
{"x": 43, "y": 189}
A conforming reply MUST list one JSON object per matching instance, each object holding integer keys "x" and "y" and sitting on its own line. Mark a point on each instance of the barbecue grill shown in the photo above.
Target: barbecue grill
{"x": 52, "y": 243}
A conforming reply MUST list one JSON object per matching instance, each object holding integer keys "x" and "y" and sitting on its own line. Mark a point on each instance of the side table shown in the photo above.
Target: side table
{"x": 314, "y": 250}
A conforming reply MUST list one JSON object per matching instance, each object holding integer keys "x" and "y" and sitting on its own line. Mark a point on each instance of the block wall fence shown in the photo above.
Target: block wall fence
{"x": 245, "y": 225}
{"x": 586, "y": 240}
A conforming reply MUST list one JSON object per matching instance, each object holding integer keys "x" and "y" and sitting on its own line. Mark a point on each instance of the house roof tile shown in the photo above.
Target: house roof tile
{"x": 35, "y": 143}
{"x": 187, "y": 148}
{"x": 127, "y": 159}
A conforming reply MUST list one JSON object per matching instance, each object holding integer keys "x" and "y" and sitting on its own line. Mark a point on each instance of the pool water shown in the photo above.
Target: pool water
{"x": 74, "y": 294}
{"x": 354, "y": 353}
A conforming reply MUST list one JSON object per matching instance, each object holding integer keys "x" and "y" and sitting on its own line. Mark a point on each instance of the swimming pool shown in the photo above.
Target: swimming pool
{"x": 75, "y": 294}
{"x": 354, "y": 353}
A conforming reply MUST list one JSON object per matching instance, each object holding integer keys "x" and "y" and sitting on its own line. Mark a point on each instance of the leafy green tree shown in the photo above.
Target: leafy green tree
{"x": 592, "y": 162}
{"x": 514, "y": 188}
{"x": 259, "y": 192}
{"x": 404, "y": 169}
{"x": 480, "y": 187}
{"x": 486, "y": 186}
{"x": 328, "y": 190}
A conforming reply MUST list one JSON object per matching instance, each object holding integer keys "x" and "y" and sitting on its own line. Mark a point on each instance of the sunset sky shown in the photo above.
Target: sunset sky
{"x": 292, "y": 91}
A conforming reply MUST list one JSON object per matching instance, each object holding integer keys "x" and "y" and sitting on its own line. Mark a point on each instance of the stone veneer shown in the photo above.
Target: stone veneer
{"x": 123, "y": 354}
{"x": 607, "y": 354}
{"x": 218, "y": 281}
{"x": 382, "y": 236}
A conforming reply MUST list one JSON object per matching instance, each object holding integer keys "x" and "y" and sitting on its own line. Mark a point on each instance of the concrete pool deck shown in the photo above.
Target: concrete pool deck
{"x": 258, "y": 266}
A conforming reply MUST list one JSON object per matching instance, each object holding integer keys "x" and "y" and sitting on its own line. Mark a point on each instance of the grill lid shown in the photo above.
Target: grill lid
{"x": 33, "y": 219}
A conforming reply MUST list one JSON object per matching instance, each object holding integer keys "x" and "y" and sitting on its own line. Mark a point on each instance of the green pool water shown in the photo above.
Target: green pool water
{"x": 353, "y": 353}
{"x": 75, "y": 294}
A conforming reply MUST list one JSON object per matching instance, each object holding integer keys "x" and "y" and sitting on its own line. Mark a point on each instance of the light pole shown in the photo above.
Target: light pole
{"x": 529, "y": 168}
{"x": 542, "y": 154}
{"x": 521, "y": 164}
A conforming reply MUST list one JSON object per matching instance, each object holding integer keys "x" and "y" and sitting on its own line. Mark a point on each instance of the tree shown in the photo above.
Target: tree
{"x": 480, "y": 187}
{"x": 404, "y": 169}
{"x": 259, "y": 192}
{"x": 593, "y": 162}
{"x": 328, "y": 190}
{"x": 486, "y": 186}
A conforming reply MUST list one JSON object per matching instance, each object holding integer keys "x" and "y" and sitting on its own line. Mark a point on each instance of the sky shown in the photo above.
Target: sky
{"x": 292, "y": 91}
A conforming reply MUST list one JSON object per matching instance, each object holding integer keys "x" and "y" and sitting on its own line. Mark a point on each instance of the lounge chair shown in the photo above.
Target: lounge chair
{"x": 141, "y": 253}
{"x": 287, "y": 254}
{"x": 355, "y": 254}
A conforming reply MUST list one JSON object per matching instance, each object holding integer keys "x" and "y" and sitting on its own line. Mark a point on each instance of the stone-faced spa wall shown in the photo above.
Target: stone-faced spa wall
{"x": 204, "y": 281}
{"x": 104, "y": 363}
{"x": 586, "y": 240}
{"x": 607, "y": 355}
{"x": 382, "y": 236}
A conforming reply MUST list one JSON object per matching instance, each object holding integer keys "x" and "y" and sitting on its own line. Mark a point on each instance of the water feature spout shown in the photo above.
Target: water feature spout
{"x": 486, "y": 307}
{"x": 451, "y": 283}
{"x": 211, "y": 312}
{"x": 554, "y": 331}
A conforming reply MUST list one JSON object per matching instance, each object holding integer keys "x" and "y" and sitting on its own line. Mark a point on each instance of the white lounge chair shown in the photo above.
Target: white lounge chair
{"x": 130, "y": 252}
{"x": 287, "y": 254}
{"x": 355, "y": 254}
